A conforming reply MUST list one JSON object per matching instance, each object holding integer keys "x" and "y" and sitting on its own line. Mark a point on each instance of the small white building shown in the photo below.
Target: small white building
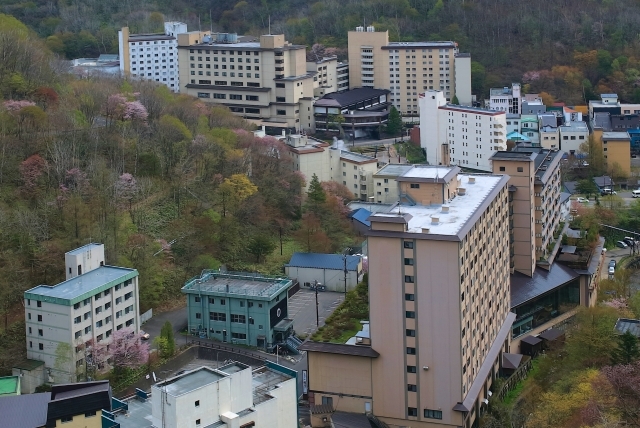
{"x": 152, "y": 56}
{"x": 572, "y": 135}
{"x": 326, "y": 269}
{"x": 506, "y": 99}
{"x": 91, "y": 304}
{"x": 459, "y": 135}
{"x": 231, "y": 396}
{"x": 326, "y": 79}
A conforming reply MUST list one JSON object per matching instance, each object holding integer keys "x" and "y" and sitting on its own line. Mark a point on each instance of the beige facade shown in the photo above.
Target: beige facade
{"x": 264, "y": 82}
{"x": 82, "y": 421}
{"x": 326, "y": 79}
{"x": 535, "y": 187}
{"x": 435, "y": 268}
{"x": 406, "y": 68}
{"x": 311, "y": 156}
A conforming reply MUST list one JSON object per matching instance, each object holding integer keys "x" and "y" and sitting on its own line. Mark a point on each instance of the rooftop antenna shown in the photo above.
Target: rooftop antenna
{"x": 210, "y": 22}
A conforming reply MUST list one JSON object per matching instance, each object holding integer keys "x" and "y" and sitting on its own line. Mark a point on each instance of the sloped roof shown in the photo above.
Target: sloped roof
{"x": 323, "y": 261}
{"x": 511, "y": 361}
{"x": 350, "y": 97}
{"x": 339, "y": 348}
{"x": 25, "y": 411}
{"x": 624, "y": 325}
{"x": 525, "y": 288}
{"x": 361, "y": 215}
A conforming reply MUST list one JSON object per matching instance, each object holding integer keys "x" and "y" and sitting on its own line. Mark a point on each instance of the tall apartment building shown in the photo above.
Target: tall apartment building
{"x": 439, "y": 297}
{"x": 342, "y": 75}
{"x": 508, "y": 100}
{"x": 407, "y": 68}
{"x": 93, "y": 302}
{"x": 325, "y": 80}
{"x": 263, "y": 81}
{"x": 152, "y": 56}
{"x": 459, "y": 135}
{"x": 534, "y": 198}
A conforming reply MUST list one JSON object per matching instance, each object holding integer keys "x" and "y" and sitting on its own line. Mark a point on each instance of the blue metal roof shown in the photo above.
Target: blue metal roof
{"x": 361, "y": 215}
{"x": 323, "y": 261}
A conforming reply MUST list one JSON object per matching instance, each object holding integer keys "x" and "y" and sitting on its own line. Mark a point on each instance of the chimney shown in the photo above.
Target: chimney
{"x": 472, "y": 180}
{"x": 445, "y": 208}
{"x": 425, "y": 230}
{"x": 462, "y": 191}
{"x": 435, "y": 220}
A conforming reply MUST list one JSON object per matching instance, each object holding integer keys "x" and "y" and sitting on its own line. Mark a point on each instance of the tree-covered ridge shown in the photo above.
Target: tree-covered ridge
{"x": 569, "y": 49}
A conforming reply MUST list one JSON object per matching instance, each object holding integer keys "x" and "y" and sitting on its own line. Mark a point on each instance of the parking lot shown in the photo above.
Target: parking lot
{"x": 303, "y": 311}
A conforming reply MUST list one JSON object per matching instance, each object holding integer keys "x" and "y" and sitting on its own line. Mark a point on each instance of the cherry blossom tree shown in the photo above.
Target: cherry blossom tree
{"x": 126, "y": 188}
{"x": 128, "y": 350}
{"x": 96, "y": 356}
{"x": 15, "y": 106}
{"x": 135, "y": 111}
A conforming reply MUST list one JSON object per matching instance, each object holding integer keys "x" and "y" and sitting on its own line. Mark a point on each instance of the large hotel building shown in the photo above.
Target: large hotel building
{"x": 439, "y": 303}
{"x": 408, "y": 68}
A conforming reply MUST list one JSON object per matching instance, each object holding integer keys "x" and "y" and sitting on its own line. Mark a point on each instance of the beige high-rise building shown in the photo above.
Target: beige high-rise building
{"x": 439, "y": 297}
{"x": 534, "y": 188}
{"x": 264, "y": 81}
{"x": 407, "y": 68}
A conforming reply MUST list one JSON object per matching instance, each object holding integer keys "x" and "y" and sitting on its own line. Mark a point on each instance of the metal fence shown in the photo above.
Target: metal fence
{"x": 517, "y": 376}
{"x": 146, "y": 316}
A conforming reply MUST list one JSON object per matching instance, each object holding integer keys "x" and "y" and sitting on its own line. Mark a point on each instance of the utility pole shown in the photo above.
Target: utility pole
{"x": 315, "y": 283}
{"x": 345, "y": 273}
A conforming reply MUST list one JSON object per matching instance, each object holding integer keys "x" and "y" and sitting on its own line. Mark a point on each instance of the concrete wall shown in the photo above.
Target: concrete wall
{"x": 463, "y": 80}
{"x": 346, "y": 378}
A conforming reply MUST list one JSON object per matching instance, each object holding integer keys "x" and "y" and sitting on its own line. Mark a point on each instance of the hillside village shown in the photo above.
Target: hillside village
{"x": 227, "y": 230}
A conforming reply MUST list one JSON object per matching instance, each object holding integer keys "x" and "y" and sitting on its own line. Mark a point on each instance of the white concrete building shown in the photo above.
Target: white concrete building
{"x": 572, "y": 135}
{"x": 458, "y": 135}
{"x": 232, "y": 396}
{"x": 92, "y": 303}
{"x": 506, "y": 99}
{"x": 152, "y": 56}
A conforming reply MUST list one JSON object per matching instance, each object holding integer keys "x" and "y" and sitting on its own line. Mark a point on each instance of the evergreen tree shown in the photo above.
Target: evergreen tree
{"x": 455, "y": 100}
{"x": 394, "y": 123}
{"x": 167, "y": 339}
{"x": 627, "y": 351}
{"x": 316, "y": 193}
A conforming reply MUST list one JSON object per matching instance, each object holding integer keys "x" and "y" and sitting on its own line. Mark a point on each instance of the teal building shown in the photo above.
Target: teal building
{"x": 237, "y": 307}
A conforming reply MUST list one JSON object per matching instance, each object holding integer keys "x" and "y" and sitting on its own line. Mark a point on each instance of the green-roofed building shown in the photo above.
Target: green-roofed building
{"x": 94, "y": 301}
{"x": 9, "y": 385}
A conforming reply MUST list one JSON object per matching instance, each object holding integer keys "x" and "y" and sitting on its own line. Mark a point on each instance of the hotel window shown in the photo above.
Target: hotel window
{"x": 241, "y": 319}
{"x": 411, "y": 369}
{"x": 408, "y": 262}
{"x": 411, "y": 351}
{"x": 412, "y": 411}
{"x": 412, "y": 388}
{"x": 410, "y": 314}
{"x": 409, "y": 297}
{"x": 415, "y": 185}
{"x": 432, "y": 414}
{"x": 411, "y": 333}
{"x": 408, "y": 278}
{"x": 407, "y": 244}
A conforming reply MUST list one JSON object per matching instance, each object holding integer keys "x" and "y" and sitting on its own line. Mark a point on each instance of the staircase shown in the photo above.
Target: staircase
{"x": 293, "y": 343}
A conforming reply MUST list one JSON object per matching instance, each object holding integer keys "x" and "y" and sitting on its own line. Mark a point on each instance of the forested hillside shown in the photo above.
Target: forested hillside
{"x": 169, "y": 185}
{"x": 570, "y": 49}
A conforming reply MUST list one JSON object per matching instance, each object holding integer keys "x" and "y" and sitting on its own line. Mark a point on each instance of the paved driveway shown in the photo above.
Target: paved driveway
{"x": 177, "y": 318}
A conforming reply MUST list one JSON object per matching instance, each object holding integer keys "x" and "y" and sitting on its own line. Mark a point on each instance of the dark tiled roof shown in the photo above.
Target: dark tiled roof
{"x": 511, "y": 361}
{"x": 551, "y": 334}
{"x": 350, "y": 420}
{"x": 318, "y": 409}
{"x": 603, "y": 181}
{"x": 24, "y": 411}
{"x": 323, "y": 261}
{"x": 570, "y": 186}
{"x": 354, "y": 96}
{"x": 531, "y": 340}
{"x": 524, "y": 288}
{"x": 339, "y": 348}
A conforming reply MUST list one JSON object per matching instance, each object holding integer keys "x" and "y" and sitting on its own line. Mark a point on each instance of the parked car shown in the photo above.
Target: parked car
{"x": 582, "y": 200}
{"x": 608, "y": 191}
{"x": 629, "y": 241}
{"x": 144, "y": 335}
{"x": 621, "y": 244}
{"x": 612, "y": 270}
{"x": 612, "y": 263}
{"x": 636, "y": 193}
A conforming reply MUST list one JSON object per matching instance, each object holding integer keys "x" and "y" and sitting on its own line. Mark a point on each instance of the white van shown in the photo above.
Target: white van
{"x": 636, "y": 193}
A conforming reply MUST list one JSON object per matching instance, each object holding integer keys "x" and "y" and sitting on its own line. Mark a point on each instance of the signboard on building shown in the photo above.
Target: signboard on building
{"x": 278, "y": 312}
{"x": 305, "y": 382}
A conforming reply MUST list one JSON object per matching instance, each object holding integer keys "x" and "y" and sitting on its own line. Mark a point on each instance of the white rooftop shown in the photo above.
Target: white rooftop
{"x": 429, "y": 172}
{"x": 461, "y": 207}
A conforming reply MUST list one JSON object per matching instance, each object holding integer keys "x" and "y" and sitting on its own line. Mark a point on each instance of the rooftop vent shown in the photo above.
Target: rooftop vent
{"x": 371, "y": 29}
{"x": 435, "y": 220}
{"x": 360, "y": 29}
{"x": 445, "y": 208}
{"x": 462, "y": 191}
{"x": 425, "y": 230}
{"x": 472, "y": 180}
